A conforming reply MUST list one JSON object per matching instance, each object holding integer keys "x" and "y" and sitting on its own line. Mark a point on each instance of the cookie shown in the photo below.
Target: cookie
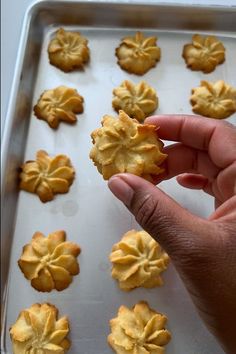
{"x": 59, "y": 105}
{"x": 50, "y": 262}
{"x": 47, "y": 176}
{"x": 214, "y": 99}
{"x": 138, "y": 330}
{"x": 138, "y": 261}
{"x": 38, "y": 330}
{"x": 138, "y": 101}
{"x": 138, "y": 54}
{"x": 68, "y": 50}
{"x": 124, "y": 145}
{"x": 204, "y": 53}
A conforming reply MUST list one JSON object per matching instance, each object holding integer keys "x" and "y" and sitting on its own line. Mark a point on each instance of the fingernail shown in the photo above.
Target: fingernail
{"x": 121, "y": 190}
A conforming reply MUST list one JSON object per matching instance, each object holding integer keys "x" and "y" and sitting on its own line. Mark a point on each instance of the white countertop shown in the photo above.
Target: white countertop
{"x": 12, "y": 16}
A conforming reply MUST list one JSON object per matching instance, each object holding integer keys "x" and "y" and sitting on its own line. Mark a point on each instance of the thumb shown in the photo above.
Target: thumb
{"x": 180, "y": 233}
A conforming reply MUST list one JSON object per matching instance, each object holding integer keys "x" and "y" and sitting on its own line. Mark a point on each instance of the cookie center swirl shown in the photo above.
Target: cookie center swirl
{"x": 139, "y": 50}
{"x": 43, "y": 175}
{"x": 46, "y": 260}
{"x": 140, "y": 341}
{"x": 67, "y": 48}
{"x": 132, "y": 102}
{"x": 214, "y": 100}
{"x": 37, "y": 344}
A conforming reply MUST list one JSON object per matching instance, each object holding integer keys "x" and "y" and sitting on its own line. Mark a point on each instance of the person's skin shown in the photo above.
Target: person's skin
{"x": 202, "y": 250}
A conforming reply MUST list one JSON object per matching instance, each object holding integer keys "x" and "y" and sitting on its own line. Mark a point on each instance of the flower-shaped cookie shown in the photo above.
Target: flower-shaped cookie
{"x": 68, "y": 50}
{"x": 125, "y": 145}
{"x": 50, "y": 262}
{"x": 214, "y": 100}
{"x": 47, "y": 175}
{"x": 59, "y": 104}
{"x": 140, "y": 330}
{"x": 138, "y": 54}
{"x": 39, "y": 331}
{"x": 204, "y": 53}
{"x": 138, "y": 261}
{"x": 138, "y": 101}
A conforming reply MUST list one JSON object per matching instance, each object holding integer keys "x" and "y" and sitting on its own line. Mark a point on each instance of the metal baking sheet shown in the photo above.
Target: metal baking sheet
{"x": 89, "y": 213}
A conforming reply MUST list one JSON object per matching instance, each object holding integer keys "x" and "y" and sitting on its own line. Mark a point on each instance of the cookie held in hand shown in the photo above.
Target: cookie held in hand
{"x": 124, "y": 145}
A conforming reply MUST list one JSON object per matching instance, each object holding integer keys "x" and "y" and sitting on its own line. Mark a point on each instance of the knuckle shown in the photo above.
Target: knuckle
{"x": 150, "y": 216}
{"x": 144, "y": 210}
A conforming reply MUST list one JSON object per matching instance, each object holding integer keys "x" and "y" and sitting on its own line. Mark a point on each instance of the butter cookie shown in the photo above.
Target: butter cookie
{"x": 138, "y": 101}
{"x": 137, "y": 261}
{"x": 47, "y": 176}
{"x": 214, "y": 100}
{"x": 68, "y": 50}
{"x": 59, "y": 104}
{"x": 38, "y": 330}
{"x": 138, "y": 330}
{"x": 204, "y": 53}
{"x": 138, "y": 54}
{"x": 50, "y": 262}
{"x": 125, "y": 145}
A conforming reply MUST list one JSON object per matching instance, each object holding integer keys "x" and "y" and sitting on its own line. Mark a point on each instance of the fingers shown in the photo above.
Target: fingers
{"x": 183, "y": 159}
{"x": 177, "y": 230}
{"x": 216, "y": 137}
{"x": 193, "y": 181}
{"x": 194, "y": 131}
{"x": 222, "y": 191}
{"x": 226, "y": 212}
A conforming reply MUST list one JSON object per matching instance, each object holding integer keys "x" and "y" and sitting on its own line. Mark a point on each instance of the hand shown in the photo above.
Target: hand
{"x": 202, "y": 250}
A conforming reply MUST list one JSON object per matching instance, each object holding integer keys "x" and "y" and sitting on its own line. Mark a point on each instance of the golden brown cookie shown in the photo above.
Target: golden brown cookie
{"x": 204, "y": 53}
{"x": 138, "y": 54}
{"x": 59, "y": 104}
{"x": 50, "y": 262}
{"x": 47, "y": 175}
{"x": 138, "y": 101}
{"x": 214, "y": 100}
{"x": 137, "y": 261}
{"x": 68, "y": 50}
{"x": 38, "y": 330}
{"x": 140, "y": 330}
{"x": 124, "y": 145}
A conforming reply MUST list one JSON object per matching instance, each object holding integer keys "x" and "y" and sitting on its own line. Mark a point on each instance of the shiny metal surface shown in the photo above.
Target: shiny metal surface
{"x": 94, "y": 292}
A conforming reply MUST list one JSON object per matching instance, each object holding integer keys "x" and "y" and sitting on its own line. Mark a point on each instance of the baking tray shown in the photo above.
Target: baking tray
{"x": 89, "y": 213}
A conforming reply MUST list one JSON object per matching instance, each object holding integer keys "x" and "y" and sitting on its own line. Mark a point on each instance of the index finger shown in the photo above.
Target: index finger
{"x": 216, "y": 137}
